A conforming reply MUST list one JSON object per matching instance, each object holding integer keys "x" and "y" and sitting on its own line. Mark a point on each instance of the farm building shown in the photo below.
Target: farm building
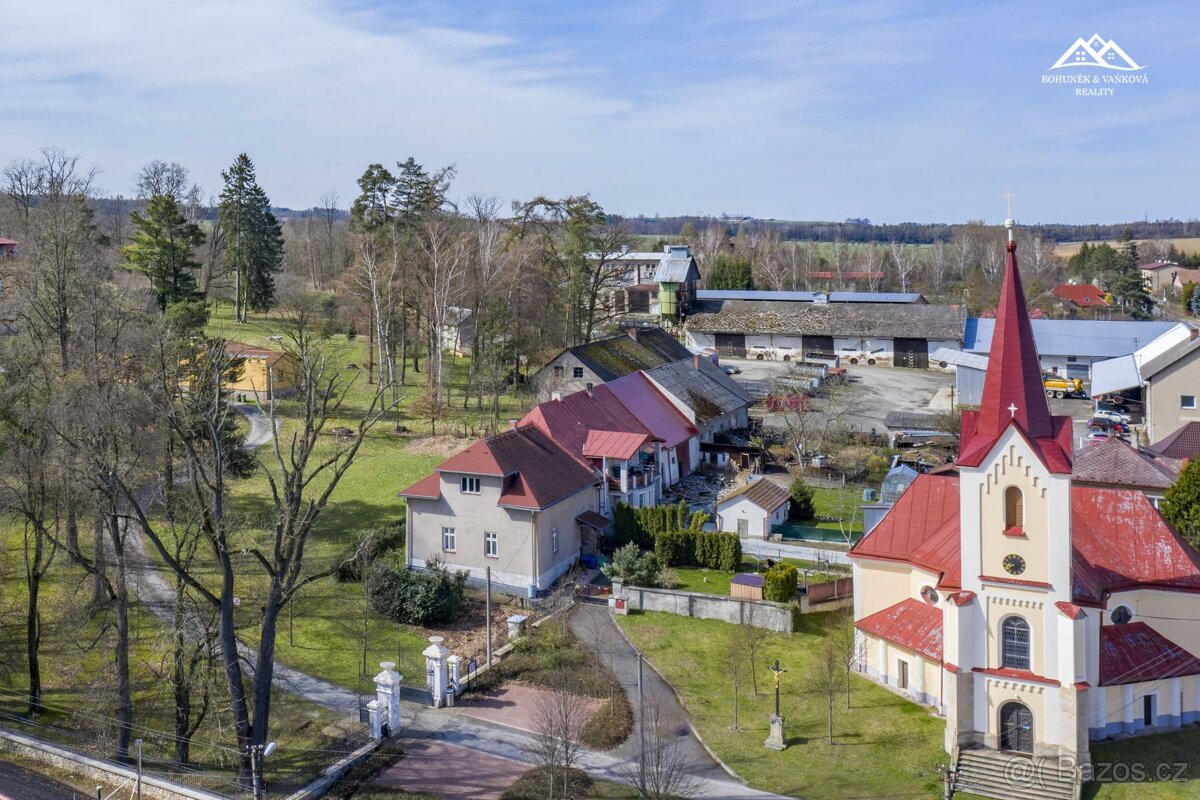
{"x": 898, "y": 333}
{"x": 586, "y": 365}
{"x": 658, "y": 284}
{"x": 752, "y": 509}
{"x": 818, "y": 297}
{"x": 1069, "y": 347}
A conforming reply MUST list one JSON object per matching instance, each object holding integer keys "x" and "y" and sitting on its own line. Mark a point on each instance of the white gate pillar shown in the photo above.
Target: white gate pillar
{"x": 387, "y": 692}
{"x": 454, "y": 663}
{"x": 375, "y": 711}
{"x": 435, "y": 670}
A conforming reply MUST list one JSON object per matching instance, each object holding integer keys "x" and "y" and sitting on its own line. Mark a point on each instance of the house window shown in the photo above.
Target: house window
{"x": 469, "y": 485}
{"x": 1187, "y": 401}
{"x": 448, "y": 539}
{"x": 554, "y": 540}
{"x": 1014, "y": 509}
{"x": 1148, "y": 710}
{"x": 491, "y": 544}
{"x": 901, "y": 674}
{"x": 1014, "y": 643}
{"x": 577, "y": 372}
{"x": 558, "y": 370}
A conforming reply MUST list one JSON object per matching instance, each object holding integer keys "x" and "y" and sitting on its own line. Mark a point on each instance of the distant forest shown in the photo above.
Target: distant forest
{"x": 911, "y": 232}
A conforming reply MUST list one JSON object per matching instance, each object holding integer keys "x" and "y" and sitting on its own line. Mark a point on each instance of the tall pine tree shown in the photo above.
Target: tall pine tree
{"x": 1128, "y": 285}
{"x": 254, "y": 249}
{"x": 163, "y": 247}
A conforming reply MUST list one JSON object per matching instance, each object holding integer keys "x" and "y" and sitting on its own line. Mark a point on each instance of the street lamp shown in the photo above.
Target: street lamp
{"x": 257, "y": 753}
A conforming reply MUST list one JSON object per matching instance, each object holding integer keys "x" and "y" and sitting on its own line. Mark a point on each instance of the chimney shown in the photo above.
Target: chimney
{"x": 556, "y": 396}
{"x": 633, "y": 333}
{"x": 588, "y": 389}
{"x": 696, "y": 360}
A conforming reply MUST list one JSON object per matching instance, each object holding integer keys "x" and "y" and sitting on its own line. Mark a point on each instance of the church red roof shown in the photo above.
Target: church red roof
{"x": 911, "y": 624}
{"x": 1136, "y": 652}
{"x": 1012, "y": 390}
{"x": 1120, "y": 541}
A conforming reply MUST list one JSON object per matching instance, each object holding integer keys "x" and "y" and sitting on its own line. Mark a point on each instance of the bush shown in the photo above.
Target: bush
{"x": 370, "y": 545}
{"x": 631, "y": 565}
{"x": 640, "y": 525}
{"x": 432, "y": 597}
{"x": 690, "y": 548}
{"x": 802, "y": 500}
{"x": 779, "y": 584}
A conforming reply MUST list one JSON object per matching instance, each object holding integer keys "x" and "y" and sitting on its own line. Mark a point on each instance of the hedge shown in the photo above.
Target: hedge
{"x": 779, "y": 584}
{"x": 641, "y": 525}
{"x": 692, "y": 548}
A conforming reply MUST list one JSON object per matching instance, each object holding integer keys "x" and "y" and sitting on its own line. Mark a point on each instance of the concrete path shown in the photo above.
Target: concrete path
{"x": 516, "y": 706}
{"x": 260, "y": 425}
{"x": 451, "y": 772}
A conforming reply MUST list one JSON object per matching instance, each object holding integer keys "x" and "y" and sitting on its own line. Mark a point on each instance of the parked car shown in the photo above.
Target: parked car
{"x": 1112, "y": 414}
{"x": 731, "y": 369}
{"x": 1102, "y": 424}
{"x": 1097, "y": 435}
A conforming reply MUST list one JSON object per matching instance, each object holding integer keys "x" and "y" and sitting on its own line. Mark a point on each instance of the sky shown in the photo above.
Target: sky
{"x": 794, "y": 109}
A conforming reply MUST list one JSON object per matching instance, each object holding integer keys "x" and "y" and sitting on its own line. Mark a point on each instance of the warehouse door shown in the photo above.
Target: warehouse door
{"x": 639, "y": 301}
{"x": 819, "y": 346}
{"x": 912, "y": 353}
{"x": 731, "y": 344}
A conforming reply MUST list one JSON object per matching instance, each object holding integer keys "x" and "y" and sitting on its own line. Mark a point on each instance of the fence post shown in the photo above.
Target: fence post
{"x": 435, "y": 670}
{"x": 387, "y": 692}
{"x": 375, "y": 709}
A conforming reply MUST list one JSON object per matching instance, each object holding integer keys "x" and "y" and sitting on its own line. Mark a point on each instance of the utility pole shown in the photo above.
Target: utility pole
{"x": 488, "y": 612}
{"x": 138, "y": 742}
{"x": 641, "y": 728}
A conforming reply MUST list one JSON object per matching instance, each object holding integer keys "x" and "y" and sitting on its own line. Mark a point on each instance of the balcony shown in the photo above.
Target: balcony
{"x": 638, "y": 478}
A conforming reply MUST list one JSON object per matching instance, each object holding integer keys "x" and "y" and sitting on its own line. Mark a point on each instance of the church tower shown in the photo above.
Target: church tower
{"x": 1009, "y": 634}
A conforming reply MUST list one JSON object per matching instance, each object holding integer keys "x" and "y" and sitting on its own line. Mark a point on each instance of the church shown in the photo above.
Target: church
{"x": 1034, "y": 614}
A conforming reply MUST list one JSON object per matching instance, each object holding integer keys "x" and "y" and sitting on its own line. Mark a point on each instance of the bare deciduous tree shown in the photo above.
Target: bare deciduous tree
{"x": 661, "y": 768}
{"x": 559, "y": 714}
{"x": 825, "y": 680}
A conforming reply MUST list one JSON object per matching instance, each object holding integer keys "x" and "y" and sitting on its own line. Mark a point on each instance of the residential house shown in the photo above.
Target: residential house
{"x": 1183, "y": 445}
{"x": 1081, "y": 296}
{"x": 603, "y": 360}
{"x": 635, "y": 444}
{"x": 1163, "y": 376}
{"x": 1114, "y": 464}
{"x": 515, "y": 502}
{"x": 713, "y": 402}
{"x": 1159, "y": 277}
{"x": 8, "y": 248}
{"x": 664, "y": 420}
{"x": 265, "y": 373}
{"x": 1034, "y": 614}
{"x": 751, "y": 509}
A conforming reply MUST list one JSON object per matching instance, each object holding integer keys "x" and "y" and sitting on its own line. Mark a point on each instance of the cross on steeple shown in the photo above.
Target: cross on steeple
{"x": 1012, "y": 409}
{"x": 1008, "y": 196}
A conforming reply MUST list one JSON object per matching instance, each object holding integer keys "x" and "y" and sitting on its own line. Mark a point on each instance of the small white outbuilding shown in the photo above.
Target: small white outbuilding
{"x": 752, "y": 509}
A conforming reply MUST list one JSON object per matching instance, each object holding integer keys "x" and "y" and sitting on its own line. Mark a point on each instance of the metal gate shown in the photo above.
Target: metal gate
{"x": 912, "y": 353}
{"x": 818, "y": 346}
{"x": 731, "y": 344}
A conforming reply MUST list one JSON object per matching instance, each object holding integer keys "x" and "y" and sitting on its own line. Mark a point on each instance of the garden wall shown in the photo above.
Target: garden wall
{"x": 830, "y": 590}
{"x": 759, "y": 613}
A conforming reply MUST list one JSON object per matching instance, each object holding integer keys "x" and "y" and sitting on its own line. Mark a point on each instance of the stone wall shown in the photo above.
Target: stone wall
{"x": 759, "y": 613}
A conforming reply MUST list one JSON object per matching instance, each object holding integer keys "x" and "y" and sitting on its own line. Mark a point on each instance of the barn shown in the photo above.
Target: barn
{"x": 897, "y": 333}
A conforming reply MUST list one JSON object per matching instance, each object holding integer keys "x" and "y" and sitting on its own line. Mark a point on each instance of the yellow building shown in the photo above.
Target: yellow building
{"x": 265, "y": 373}
{"x": 1033, "y": 613}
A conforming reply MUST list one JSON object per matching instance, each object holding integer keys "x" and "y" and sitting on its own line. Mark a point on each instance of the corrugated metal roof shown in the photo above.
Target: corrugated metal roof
{"x": 643, "y": 402}
{"x": 876, "y": 297}
{"x": 1115, "y": 375}
{"x": 958, "y": 358}
{"x": 1130, "y": 371}
{"x": 568, "y": 421}
{"x": 914, "y": 625}
{"x": 1135, "y": 652}
{"x": 613, "y": 444}
{"x": 1073, "y": 337}
{"x": 678, "y": 266}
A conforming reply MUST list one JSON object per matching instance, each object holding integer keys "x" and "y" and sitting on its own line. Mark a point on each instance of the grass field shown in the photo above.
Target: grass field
{"x": 1190, "y": 244}
{"x": 715, "y": 581}
{"x": 884, "y": 746}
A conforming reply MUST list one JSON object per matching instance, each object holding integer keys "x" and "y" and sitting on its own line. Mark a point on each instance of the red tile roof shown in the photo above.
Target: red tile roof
{"x": 1112, "y": 462}
{"x": 1084, "y": 295}
{"x": 613, "y": 444}
{"x": 651, "y": 408}
{"x": 1013, "y": 394}
{"x": 537, "y": 472}
{"x": 1119, "y": 538}
{"x": 1182, "y": 444}
{"x": 7, "y": 242}
{"x": 428, "y": 488}
{"x": 911, "y": 624}
{"x": 1136, "y": 652}
{"x": 569, "y": 420}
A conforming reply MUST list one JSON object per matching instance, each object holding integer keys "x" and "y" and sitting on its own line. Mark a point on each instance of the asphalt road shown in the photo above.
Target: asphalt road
{"x": 260, "y": 425}
{"x": 18, "y": 783}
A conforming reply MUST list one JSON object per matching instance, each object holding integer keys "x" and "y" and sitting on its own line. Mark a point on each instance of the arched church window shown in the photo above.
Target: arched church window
{"x": 1014, "y": 508}
{"x": 1014, "y": 643}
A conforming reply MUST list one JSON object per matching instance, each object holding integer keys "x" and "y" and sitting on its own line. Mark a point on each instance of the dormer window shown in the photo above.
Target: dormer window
{"x": 1014, "y": 510}
{"x": 469, "y": 485}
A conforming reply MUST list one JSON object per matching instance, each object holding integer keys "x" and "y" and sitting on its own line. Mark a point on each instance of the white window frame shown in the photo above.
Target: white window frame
{"x": 449, "y": 539}
{"x": 491, "y": 544}
{"x": 1184, "y": 403}
{"x": 554, "y": 540}
{"x": 466, "y": 482}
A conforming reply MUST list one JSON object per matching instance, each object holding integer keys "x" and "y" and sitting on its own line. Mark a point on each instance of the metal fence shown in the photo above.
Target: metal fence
{"x": 792, "y": 532}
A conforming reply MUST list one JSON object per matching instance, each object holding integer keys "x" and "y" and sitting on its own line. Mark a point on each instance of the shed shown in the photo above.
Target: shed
{"x": 752, "y": 509}
{"x": 747, "y": 586}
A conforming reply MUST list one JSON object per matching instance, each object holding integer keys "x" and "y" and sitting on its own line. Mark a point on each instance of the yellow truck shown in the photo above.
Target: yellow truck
{"x": 1060, "y": 387}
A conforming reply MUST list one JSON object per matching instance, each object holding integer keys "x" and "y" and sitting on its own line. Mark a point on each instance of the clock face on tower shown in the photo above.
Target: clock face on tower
{"x": 1014, "y": 564}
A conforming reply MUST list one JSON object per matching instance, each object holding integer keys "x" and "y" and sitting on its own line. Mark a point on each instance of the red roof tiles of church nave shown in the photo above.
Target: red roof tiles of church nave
{"x": 911, "y": 624}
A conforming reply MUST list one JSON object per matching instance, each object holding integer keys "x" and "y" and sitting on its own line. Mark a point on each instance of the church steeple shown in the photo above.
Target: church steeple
{"x": 1012, "y": 389}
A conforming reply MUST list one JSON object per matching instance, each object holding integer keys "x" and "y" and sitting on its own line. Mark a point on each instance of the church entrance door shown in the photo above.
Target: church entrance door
{"x": 1016, "y": 728}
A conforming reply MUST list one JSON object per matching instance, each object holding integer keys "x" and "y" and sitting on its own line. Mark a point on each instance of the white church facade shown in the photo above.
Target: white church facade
{"x": 1033, "y": 614}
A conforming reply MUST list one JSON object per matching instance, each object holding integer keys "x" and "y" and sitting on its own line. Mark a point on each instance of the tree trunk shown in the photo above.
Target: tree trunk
{"x": 370, "y": 344}
{"x": 99, "y": 562}
{"x": 264, "y": 666}
{"x": 181, "y": 680}
{"x": 33, "y": 637}
{"x": 121, "y": 603}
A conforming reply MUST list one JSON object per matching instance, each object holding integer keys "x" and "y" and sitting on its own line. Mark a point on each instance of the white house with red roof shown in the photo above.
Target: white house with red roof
{"x": 1034, "y": 614}
{"x": 516, "y": 502}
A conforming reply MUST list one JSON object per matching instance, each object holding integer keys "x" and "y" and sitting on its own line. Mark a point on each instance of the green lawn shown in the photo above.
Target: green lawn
{"x": 884, "y": 746}
{"x": 715, "y": 581}
{"x": 827, "y": 503}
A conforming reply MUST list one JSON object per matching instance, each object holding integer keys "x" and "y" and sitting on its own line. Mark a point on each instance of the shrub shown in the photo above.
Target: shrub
{"x": 711, "y": 549}
{"x": 802, "y": 500}
{"x": 631, "y": 565}
{"x": 432, "y": 597}
{"x": 369, "y": 546}
{"x": 779, "y": 584}
{"x": 666, "y": 578}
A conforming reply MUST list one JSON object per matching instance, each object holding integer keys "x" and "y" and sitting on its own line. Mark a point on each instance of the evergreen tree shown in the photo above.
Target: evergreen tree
{"x": 1128, "y": 285}
{"x": 254, "y": 249}
{"x": 163, "y": 248}
{"x": 729, "y": 272}
{"x": 1181, "y": 504}
{"x": 1193, "y": 298}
